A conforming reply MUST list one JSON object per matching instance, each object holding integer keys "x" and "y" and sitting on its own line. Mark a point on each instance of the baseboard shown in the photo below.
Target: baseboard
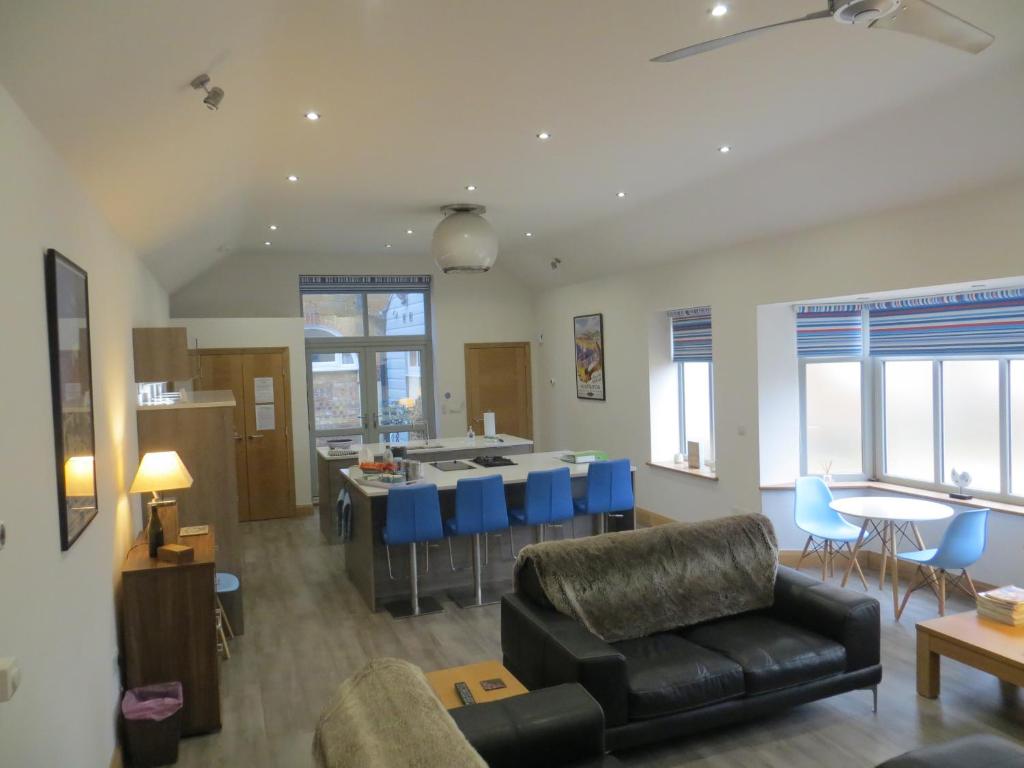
{"x": 870, "y": 562}
{"x": 303, "y": 510}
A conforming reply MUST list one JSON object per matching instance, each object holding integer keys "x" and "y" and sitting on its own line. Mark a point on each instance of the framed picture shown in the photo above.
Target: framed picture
{"x": 588, "y": 333}
{"x": 67, "y": 313}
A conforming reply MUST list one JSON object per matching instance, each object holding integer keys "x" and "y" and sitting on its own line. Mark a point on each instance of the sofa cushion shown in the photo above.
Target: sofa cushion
{"x": 773, "y": 654}
{"x": 668, "y": 674}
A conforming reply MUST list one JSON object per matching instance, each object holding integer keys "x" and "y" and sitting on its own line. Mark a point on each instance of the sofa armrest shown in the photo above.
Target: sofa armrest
{"x": 547, "y": 727}
{"x": 843, "y": 615}
{"x": 542, "y": 648}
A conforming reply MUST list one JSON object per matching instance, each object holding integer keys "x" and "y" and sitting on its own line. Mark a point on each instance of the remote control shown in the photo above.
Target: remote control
{"x": 464, "y": 694}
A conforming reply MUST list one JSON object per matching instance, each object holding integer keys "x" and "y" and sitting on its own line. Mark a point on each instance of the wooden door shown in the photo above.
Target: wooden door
{"x": 498, "y": 379}
{"x": 267, "y": 435}
{"x": 224, "y": 371}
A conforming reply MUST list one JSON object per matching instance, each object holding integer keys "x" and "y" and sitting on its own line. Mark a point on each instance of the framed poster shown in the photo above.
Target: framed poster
{"x": 67, "y": 314}
{"x": 588, "y": 333}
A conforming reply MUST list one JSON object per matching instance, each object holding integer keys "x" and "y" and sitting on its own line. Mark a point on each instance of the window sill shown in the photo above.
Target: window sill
{"x": 921, "y": 493}
{"x": 683, "y": 469}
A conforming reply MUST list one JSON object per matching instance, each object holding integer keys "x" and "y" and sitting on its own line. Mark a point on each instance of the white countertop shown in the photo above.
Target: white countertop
{"x": 416, "y": 448}
{"x": 446, "y": 481}
{"x": 207, "y": 398}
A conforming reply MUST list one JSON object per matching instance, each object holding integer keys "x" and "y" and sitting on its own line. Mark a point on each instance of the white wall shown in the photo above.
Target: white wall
{"x": 213, "y": 332}
{"x": 973, "y": 236}
{"x": 254, "y": 297}
{"x": 58, "y": 609}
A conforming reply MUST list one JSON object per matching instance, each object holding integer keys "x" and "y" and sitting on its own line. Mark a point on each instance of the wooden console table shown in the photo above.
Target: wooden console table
{"x": 966, "y": 637}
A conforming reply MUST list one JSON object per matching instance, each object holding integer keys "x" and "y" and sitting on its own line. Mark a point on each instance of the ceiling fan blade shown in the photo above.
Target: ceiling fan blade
{"x": 921, "y": 18}
{"x": 710, "y": 45}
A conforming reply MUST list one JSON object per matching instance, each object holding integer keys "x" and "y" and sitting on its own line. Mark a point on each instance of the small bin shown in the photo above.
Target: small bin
{"x": 152, "y": 724}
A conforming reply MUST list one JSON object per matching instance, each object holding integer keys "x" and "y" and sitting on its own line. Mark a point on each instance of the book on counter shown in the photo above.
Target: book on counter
{"x": 584, "y": 457}
{"x": 1004, "y": 604}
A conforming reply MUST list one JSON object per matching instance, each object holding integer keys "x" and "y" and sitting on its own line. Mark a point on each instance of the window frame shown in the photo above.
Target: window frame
{"x": 866, "y": 422}
{"x": 681, "y": 382}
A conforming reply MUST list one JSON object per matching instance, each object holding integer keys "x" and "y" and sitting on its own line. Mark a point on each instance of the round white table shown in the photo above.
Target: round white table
{"x": 888, "y": 519}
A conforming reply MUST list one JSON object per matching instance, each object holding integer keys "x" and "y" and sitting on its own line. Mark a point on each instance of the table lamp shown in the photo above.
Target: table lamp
{"x": 159, "y": 471}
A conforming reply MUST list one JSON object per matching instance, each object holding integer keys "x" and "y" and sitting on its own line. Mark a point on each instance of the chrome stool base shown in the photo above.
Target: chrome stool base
{"x": 402, "y": 609}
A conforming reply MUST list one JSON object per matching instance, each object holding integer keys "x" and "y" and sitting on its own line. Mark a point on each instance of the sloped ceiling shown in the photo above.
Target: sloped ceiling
{"x": 421, "y": 97}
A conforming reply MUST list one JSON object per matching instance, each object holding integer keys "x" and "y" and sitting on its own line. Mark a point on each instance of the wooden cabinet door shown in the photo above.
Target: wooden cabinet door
{"x": 498, "y": 379}
{"x": 224, "y": 371}
{"x": 267, "y": 439}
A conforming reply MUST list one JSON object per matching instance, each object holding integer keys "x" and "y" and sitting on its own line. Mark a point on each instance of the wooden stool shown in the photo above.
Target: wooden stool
{"x": 223, "y": 583}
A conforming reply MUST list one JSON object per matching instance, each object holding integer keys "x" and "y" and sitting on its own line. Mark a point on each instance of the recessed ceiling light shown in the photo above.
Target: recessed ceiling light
{"x": 387, "y": 245}
{"x": 266, "y": 242}
{"x": 725, "y": 149}
{"x": 543, "y": 135}
{"x": 272, "y": 227}
{"x": 293, "y": 177}
{"x": 408, "y": 231}
{"x": 719, "y": 9}
{"x": 313, "y": 116}
{"x": 620, "y": 194}
{"x": 528, "y": 234}
{"x": 471, "y": 187}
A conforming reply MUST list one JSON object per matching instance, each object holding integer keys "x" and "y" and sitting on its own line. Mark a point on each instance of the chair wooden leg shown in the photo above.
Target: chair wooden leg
{"x": 803, "y": 554}
{"x": 831, "y": 559}
{"x": 970, "y": 583}
{"x": 914, "y": 585}
{"x": 224, "y": 617}
{"x": 941, "y": 575}
{"x": 824, "y": 560}
{"x": 853, "y": 557}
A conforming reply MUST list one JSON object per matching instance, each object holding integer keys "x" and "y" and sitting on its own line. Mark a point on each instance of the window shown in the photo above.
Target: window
{"x": 970, "y": 421}
{"x": 696, "y": 413}
{"x": 832, "y": 418}
{"x": 691, "y": 351}
{"x": 1017, "y": 427}
{"x": 909, "y": 420}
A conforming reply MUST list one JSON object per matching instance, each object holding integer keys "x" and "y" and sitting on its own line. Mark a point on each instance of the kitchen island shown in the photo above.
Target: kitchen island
{"x": 329, "y": 462}
{"x": 365, "y": 558}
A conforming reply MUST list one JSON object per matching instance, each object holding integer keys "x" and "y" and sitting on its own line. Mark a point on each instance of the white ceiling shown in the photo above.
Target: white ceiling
{"x": 421, "y": 97}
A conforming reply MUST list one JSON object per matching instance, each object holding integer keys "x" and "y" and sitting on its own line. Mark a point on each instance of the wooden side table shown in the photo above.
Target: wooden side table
{"x": 443, "y": 682}
{"x": 972, "y": 640}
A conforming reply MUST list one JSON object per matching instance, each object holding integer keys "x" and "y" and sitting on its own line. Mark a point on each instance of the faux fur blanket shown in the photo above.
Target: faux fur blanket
{"x": 387, "y": 715}
{"x": 635, "y": 583}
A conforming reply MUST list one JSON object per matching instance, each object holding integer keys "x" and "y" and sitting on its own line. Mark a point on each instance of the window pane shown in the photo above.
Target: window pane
{"x": 1017, "y": 427}
{"x": 970, "y": 418}
{"x": 399, "y": 388}
{"x": 397, "y": 314}
{"x": 336, "y": 399}
{"x": 329, "y": 315}
{"x": 696, "y": 407}
{"x": 909, "y": 420}
{"x": 832, "y": 397}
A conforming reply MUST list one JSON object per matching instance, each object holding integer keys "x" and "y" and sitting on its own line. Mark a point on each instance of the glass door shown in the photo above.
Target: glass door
{"x": 335, "y": 395}
{"x": 401, "y": 393}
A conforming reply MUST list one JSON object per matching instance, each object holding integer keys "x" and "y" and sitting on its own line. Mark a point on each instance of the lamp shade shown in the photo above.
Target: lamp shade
{"x": 79, "y": 477}
{"x": 464, "y": 241}
{"x": 161, "y": 471}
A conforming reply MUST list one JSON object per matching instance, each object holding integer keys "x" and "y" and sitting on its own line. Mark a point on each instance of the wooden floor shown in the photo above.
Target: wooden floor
{"x": 307, "y": 629}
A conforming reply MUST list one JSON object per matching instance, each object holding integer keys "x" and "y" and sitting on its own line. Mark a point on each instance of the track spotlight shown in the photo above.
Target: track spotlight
{"x": 214, "y": 96}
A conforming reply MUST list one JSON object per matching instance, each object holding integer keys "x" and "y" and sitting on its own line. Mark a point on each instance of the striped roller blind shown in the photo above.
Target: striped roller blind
{"x": 357, "y": 283}
{"x": 829, "y": 330}
{"x": 984, "y": 322}
{"x": 691, "y": 334}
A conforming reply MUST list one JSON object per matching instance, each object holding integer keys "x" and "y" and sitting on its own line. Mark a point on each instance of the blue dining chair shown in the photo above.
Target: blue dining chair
{"x": 413, "y": 516}
{"x": 962, "y": 546}
{"x": 479, "y": 509}
{"x": 609, "y": 491}
{"x": 828, "y": 532}
{"x": 548, "y": 500}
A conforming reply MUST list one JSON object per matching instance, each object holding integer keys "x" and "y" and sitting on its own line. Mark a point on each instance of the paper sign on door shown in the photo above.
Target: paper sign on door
{"x": 264, "y": 418}
{"x": 263, "y": 389}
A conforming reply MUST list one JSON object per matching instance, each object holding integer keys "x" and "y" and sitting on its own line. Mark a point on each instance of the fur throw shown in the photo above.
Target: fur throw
{"x": 635, "y": 583}
{"x": 386, "y": 714}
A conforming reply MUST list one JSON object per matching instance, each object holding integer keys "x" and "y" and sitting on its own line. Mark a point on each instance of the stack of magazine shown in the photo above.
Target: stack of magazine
{"x": 1005, "y": 605}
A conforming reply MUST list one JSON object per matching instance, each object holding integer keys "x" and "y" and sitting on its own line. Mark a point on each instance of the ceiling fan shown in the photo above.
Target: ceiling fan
{"x": 913, "y": 17}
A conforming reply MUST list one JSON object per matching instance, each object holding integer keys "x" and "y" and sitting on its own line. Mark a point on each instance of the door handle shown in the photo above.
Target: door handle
{"x": 255, "y": 437}
{"x": 375, "y": 424}
{"x": 237, "y": 436}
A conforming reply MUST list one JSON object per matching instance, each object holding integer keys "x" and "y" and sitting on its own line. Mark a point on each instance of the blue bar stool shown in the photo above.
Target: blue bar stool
{"x": 828, "y": 532}
{"x": 609, "y": 491}
{"x": 479, "y": 508}
{"x": 413, "y": 516}
{"x": 548, "y": 500}
{"x": 962, "y": 546}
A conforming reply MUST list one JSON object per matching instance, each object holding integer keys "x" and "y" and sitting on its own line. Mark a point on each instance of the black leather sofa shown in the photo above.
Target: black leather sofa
{"x": 553, "y": 727}
{"x": 815, "y": 641}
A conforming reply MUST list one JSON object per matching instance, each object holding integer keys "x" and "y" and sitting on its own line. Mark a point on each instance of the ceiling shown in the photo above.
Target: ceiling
{"x": 421, "y": 97}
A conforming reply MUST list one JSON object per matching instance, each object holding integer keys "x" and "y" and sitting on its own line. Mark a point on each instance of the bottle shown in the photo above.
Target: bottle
{"x": 156, "y": 532}
{"x": 389, "y": 457}
{"x": 471, "y": 434}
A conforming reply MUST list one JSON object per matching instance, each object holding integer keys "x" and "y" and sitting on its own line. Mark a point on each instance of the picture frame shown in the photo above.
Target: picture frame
{"x": 588, "y": 337}
{"x": 74, "y": 436}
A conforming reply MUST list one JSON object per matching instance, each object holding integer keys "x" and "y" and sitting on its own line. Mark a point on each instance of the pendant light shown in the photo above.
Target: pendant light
{"x": 464, "y": 241}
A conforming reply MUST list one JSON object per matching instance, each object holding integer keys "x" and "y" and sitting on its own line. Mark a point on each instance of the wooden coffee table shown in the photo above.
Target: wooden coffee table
{"x": 966, "y": 637}
{"x": 443, "y": 682}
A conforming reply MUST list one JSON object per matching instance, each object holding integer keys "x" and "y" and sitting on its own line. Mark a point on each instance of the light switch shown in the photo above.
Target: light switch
{"x": 10, "y": 677}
